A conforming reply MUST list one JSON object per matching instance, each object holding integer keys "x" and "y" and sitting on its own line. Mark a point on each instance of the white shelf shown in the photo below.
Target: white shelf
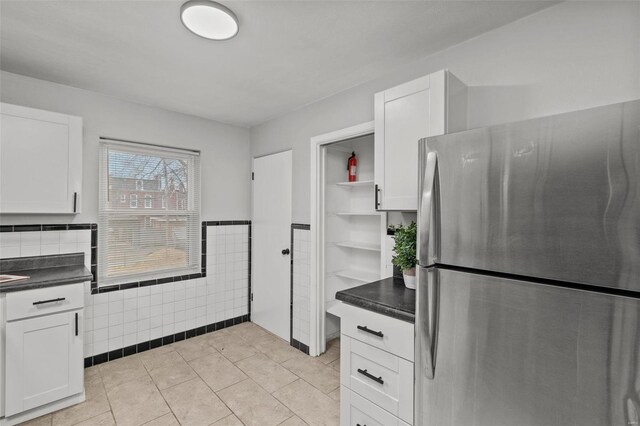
{"x": 351, "y": 229}
{"x": 340, "y": 148}
{"x": 359, "y": 245}
{"x": 333, "y": 307}
{"x": 363, "y": 213}
{"x": 356, "y": 275}
{"x": 355, "y": 184}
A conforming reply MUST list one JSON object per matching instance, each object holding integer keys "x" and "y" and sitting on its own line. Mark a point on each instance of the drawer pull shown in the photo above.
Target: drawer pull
{"x": 76, "y": 323}
{"x": 367, "y": 330}
{"x": 371, "y": 376}
{"x": 358, "y": 424}
{"x": 40, "y": 302}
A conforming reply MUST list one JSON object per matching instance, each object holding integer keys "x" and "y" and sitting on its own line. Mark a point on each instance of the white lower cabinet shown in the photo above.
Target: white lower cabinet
{"x": 376, "y": 377}
{"x": 377, "y": 330}
{"x": 381, "y": 377}
{"x": 43, "y": 354}
{"x": 357, "y": 411}
{"x": 44, "y": 360}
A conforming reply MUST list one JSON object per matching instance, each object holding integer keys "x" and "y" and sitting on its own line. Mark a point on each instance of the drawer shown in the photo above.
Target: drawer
{"x": 44, "y": 301}
{"x": 380, "y": 377}
{"x": 357, "y": 411}
{"x": 386, "y": 333}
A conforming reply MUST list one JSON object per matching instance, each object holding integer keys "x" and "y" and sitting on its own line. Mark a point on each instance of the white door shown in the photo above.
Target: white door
{"x": 44, "y": 360}
{"x": 271, "y": 243}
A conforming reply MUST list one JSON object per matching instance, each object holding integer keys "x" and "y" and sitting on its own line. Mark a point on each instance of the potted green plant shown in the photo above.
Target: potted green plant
{"x": 405, "y": 252}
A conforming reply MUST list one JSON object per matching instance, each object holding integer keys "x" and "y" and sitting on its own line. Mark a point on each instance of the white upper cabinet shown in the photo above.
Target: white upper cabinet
{"x": 428, "y": 106}
{"x": 40, "y": 161}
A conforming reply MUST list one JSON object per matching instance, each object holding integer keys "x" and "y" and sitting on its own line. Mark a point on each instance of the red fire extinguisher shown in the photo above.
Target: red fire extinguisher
{"x": 352, "y": 165}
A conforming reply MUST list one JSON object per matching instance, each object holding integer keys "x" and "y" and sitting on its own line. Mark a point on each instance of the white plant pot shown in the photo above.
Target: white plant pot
{"x": 409, "y": 280}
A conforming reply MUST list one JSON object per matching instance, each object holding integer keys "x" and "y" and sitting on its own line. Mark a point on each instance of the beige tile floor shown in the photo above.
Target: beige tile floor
{"x": 241, "y": 375}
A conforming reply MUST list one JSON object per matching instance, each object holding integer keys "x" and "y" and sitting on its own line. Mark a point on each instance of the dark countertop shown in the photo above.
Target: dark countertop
{"x": 387, "y": 297}
{"x": 44, "y": 271}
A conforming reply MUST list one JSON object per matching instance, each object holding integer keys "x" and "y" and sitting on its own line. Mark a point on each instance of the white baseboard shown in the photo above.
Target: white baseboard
{"x": 41, "y": 411}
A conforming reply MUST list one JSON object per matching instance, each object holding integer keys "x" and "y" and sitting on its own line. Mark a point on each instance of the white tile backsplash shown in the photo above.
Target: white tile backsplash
{"x": 29, "y": 250}
{"x": 10, "y": 239}
{"x": 66, "y": 237}
{"x": 51, "y": 237}
{"x": 37, "y": 243}
{"x": 49, "y": 249}
{"x": 119, "y": 319}
{"x": 30, "y": 238}
{"x": 9, "y": 251}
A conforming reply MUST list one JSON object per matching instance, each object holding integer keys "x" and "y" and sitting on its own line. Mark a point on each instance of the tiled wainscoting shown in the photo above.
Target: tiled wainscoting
{"x": 42, "y": 240}
{"x": 300, "y": 277}
{"x": 125, "y": 320}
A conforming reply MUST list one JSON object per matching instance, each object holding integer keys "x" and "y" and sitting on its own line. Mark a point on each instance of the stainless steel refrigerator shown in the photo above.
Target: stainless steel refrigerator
{"x": 528, "y": 298}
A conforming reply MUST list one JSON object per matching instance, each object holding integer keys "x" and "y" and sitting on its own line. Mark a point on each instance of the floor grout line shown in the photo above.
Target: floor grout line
{"x": 258, "y": 384}
{"x": 206, "y": 384}
{"x": 106, "y": 395}
{"x": 206, "y": 345}
{"x": 210, "y": 388}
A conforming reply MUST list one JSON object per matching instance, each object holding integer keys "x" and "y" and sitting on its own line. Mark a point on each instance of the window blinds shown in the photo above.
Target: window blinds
{"x": 149, "y": 213}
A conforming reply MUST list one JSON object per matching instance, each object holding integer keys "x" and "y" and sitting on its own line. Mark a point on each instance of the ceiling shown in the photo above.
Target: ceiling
{"x": 287, "y": 54}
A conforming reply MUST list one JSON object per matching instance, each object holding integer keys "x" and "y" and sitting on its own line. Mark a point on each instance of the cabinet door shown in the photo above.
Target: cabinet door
{"x": 41, "y": 161}
{"x": 356, "y": 410}
{"x": 44, "y": 361}
{"x": 361, "y": 364}
{"x": 404, "y": 115}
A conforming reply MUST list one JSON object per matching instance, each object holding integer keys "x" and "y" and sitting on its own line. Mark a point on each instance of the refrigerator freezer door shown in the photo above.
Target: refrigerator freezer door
{"x": 516, "y": 353}
{"x": 555, "y": 197}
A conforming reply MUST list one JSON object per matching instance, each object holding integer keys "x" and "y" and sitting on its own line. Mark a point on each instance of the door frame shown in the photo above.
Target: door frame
{"x": 316, "y": 278}
{"x": 253, "y": 252}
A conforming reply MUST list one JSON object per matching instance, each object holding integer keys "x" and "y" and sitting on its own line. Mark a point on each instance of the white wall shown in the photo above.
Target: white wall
{"x": 225, "y": 163}
{"x": 570, "y": 56}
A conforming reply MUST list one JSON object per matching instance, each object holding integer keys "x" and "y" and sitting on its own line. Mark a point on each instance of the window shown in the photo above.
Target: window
{"x": 159, "y": 240}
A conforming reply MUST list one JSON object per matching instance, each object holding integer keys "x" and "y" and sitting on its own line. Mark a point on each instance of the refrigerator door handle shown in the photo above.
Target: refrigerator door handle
{"x": 427, "y": 320}
{"x": 428, "y": 213}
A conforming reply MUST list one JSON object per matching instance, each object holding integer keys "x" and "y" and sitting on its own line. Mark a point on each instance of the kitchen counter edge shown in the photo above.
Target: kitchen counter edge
{"x": 47, "y": 277}
{"x": 388, "y": 297}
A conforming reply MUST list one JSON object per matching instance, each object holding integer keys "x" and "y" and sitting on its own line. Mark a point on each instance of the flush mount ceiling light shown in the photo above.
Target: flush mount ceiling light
{"x": 209, "y": 19}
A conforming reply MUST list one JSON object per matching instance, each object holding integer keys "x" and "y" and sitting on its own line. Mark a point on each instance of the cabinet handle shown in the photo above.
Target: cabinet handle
{"x": 75, "y": 201}
{"x": 368, "y": 330}
{"x": 368, "y": 375}
{"x": 358, "y": 424}
{"x": 76, "y": 323}
{"x": 40, "y": 302}
{"x": 377, "y": 203}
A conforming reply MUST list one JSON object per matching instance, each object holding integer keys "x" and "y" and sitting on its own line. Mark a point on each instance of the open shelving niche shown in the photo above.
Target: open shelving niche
{"x": 353, "y": 229}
